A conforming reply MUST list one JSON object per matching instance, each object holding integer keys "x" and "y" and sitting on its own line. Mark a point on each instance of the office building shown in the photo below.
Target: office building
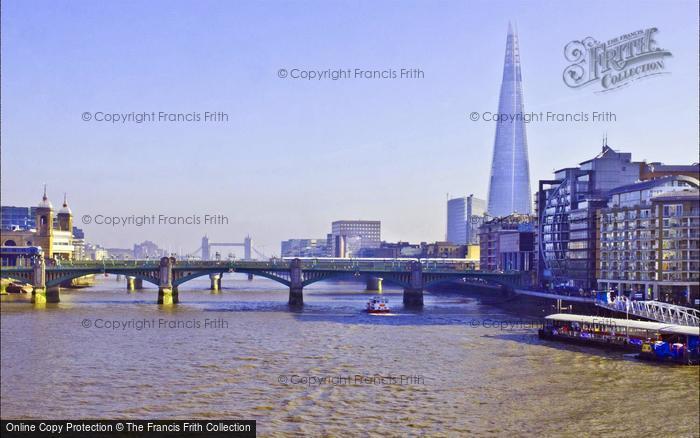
{"x": 464, "y": 216}
{"x": 566, "y": 213}
{"x": 18, "y": 218}
{"x": 304, "y": 248}
{"x": 79, "y": 244}
{"x": 147, "y": 250}
{"x": 351, "y": 236}
{"x": 391, "y": 250}
{"x": 507, "y": 243}
{"x": 95, "y": 252}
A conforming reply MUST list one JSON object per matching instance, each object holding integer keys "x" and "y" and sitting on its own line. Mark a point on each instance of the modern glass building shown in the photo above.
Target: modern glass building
{"x": 509, "y": 187}
{"x": 464, "y": 215}
{"x": 566, "y": 217}
{"x": 304, "y": 248}
{"x": 23, "y": 218}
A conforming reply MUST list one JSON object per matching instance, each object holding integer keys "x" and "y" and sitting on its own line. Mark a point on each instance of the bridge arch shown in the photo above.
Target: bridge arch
{"x": 386, "y": 277}
{"x": 58, "y": 279}
{"x": 467, "y": 279}
{"x": 192, "y": 275}
{"x": 266, "y": 274}
{"x": 136, "y": 274}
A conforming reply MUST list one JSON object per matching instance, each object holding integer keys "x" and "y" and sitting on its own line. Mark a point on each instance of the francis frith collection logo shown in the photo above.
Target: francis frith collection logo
{"x": 614, "y": 63}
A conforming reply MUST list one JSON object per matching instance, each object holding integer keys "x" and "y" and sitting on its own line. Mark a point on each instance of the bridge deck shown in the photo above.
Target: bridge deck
{"x": 347, "y": 265}
{"x": 551, "y": 296}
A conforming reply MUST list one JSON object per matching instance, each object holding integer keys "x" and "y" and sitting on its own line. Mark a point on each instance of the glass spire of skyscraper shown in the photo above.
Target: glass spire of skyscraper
{"x": 509, "y": 187}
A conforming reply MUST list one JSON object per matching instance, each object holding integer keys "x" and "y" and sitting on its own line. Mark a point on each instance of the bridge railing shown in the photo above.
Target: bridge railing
{"x": 656, "y": 310}
{"x": 104, "y": 263}
{"x": 237, "y": 264}
{"x": 389, "y": 264}
{"x": 15, "y": 268}
{"x": 352, "y": 265}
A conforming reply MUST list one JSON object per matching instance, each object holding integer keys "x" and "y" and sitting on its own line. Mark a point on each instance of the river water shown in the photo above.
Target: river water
{"x": 454, "y": 368}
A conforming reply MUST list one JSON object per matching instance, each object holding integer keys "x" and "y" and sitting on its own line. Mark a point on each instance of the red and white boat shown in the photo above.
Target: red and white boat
{"x": 378, "y": 305}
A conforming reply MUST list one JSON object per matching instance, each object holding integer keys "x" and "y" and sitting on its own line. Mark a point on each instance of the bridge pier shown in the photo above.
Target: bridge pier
{"x": 413, "y": 294}
{"x": 53, "y": 294}
{"x": 133, "y": 283}
{"x": 296, "y": 287}
{"x": 215, "y": 282}
{"x": 412, "y": 297}
{"x": 250, "y": 277}
{"x": 45, "y": 295}
{"x": 40, "y": 293}
{"x": 296, "y": 297}
{"x": 167, "y": 293}
{"x": 374, "y": 284}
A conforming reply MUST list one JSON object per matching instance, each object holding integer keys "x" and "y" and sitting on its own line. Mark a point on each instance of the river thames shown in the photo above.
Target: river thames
{"x": 456, "y": 367}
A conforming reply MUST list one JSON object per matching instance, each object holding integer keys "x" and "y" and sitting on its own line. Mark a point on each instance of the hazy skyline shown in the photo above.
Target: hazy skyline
{"x": 295, "y": 154}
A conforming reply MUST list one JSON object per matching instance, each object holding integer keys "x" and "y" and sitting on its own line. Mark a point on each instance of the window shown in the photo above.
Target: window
{"x": 673, "y": 210}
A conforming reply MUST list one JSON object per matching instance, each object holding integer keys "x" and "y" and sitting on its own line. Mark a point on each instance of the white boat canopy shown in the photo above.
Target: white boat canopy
{"x": 632, "y": 323}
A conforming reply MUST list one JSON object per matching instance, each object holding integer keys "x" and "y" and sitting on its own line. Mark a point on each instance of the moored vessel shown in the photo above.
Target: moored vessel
{"x": 652, "y": 340}
{"x": 15, "y": 287}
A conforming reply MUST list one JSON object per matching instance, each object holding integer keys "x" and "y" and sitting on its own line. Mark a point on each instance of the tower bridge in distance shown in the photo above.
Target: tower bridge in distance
{"x": 168, "y": 274}
{"x": 205, "y": 249}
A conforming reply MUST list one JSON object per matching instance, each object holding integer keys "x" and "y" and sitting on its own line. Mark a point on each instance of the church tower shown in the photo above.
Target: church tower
{"x": 65, "y": 217}
{"x": 44, "y": 225}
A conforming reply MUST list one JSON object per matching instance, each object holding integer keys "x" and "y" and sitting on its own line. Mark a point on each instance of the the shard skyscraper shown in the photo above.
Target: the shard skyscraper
{"x": 509, "y": 187}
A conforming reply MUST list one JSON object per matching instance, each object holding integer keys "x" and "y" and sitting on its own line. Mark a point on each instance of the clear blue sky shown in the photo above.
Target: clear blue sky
{"x": 296, "y": 155}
